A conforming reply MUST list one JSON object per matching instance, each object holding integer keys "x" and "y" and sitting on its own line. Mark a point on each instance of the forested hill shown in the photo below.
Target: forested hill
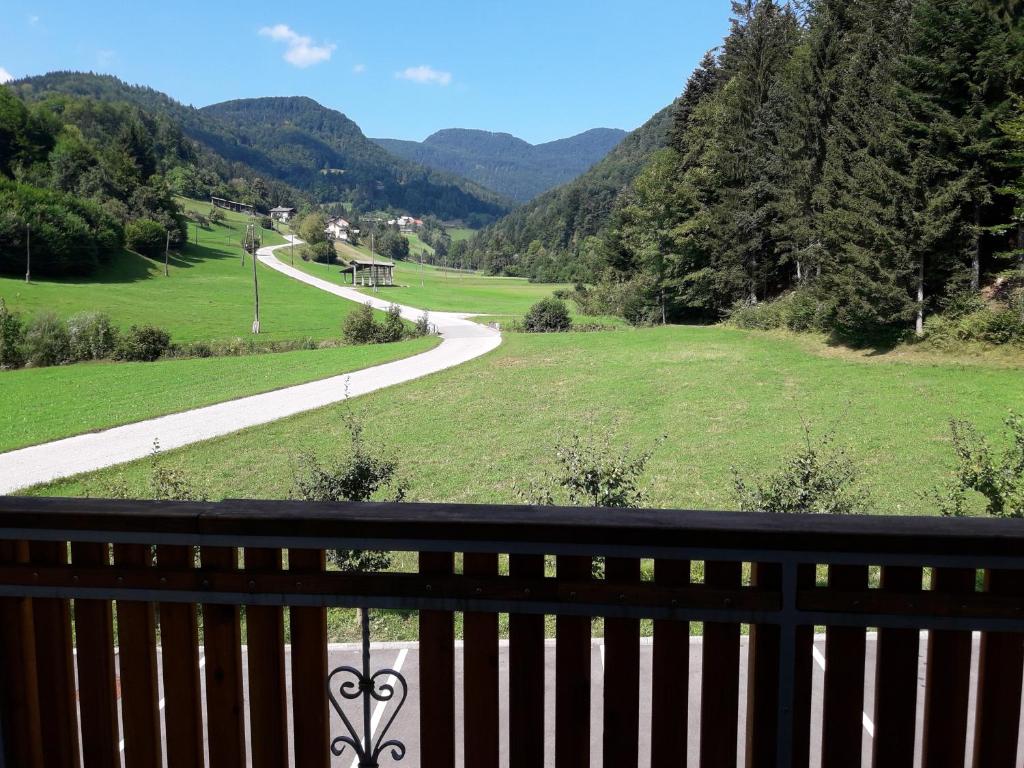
{"x": 506, "y": 164}
{"x": 546, "y": 237}
{"x": 324, "y": 152}
{"x": 288, "y": 142}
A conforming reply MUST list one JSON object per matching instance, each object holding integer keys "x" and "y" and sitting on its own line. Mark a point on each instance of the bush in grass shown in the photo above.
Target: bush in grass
{"x": 92, "y": 336}
{"x": 361, "y": 476}
{"x": 147, "y": 237}
{"x": 143, "y": 344}
{"x": 798, "y": 311}
{"x": 392, "y": 329}
{"x": 47, "y": 341}
{"x": 817, "y": 479}
{"x": 997, "y": 479}
{"x": 359, "y": 326}
{"x": 548, "y": 315}
{"x": 12, "y": 338}
{"x": 422, "y": 326}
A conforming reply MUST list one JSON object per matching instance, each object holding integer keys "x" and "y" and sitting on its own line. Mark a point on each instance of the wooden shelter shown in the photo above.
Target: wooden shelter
{"x": 231, "y": 205}
{"x": 371, "y": 271}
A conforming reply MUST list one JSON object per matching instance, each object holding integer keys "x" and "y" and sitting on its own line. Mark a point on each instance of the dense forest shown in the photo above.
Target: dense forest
{"x": 860, "y": 159}
{"x": 506, "y": 164}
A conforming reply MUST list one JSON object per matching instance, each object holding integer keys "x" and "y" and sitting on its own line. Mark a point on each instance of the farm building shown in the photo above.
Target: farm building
{"x": 281, "y": 213}
{"x": 231, "y": 205}
{"x": 370, "y": 271}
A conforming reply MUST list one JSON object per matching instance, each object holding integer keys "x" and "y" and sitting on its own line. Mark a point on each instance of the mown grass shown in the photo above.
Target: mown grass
{"x": 207, "y": 297}
{"x": 42, "y": 404}
{"x": 440, "y": 290}
{"x": 722, "y": 398}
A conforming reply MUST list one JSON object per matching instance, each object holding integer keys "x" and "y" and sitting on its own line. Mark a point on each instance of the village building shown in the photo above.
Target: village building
{"x": 338, "y": 229}
{"x": 231, "y": 205}
{"x": 406, "y": 223}
{"x": 370, "y": 272}
{"x": 281, "y": 213}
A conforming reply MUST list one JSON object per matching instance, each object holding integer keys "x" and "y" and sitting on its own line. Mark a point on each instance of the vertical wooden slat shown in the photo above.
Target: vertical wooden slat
{"x": 55, "y": 666}
{"x": 948, "y": 680}
{"x": 437, "y": 673}
{"x": 803, "y": 677}
{"x": 97, "y": 688}
{"x": 1000, "y": 677}
{"x": 179, "y": 643}
{"x": 720, "y": 677}
{"x": 268, "y": 703}
{"x": 309, "y": 671}
{"x": 763, "y": 676}
{"x": 140, "y": 693}
{"x": 843, "y": 699}
{"x": 222, "y": 643}
{"x": 480, "y": 676}
{"x": 572, "y": 675}
{"x": 19, "y": 688}
{"x": 526, "y": 674}
{"x": 896, "y": 679}
{"x": 670, "y": 675}
{"x": 621, "y": 674}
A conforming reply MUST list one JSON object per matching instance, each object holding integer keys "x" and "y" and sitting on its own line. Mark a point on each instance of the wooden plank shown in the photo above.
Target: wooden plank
{"x": 1000, "y": 677}
{"x": 948, "y": 680}
{"x": 896, "y": 664}
{"x": 140, "y": 691}
{"x": 572, "y": 675}
{"x": 670, "y": 676}
{"x": 621, "y": 674}
{"x": 19, "y": 688}
{"x": 763, "y": 676}
{"x": 309, "y": 671}
{"x": 222, "y": 644}
{"x": 437, "y": 673}
{"x": 268, "y": 703}
{"x": 97, "y": 687}
{"x": 526, "y": 674}
{"x": 803, "y": 677}
{"x": 720, "y": 677}
{"x": 179, "y": 641}
{"x": 480, "y": 631}
{"x": 55, "y": 667}
{"x": 843, "y": 699}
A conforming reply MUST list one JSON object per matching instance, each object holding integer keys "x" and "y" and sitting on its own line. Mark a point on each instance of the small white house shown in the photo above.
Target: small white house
{"x": 282, "y": 213}
{"x": 338, "y": 228}
{"x": 406, "y": 223}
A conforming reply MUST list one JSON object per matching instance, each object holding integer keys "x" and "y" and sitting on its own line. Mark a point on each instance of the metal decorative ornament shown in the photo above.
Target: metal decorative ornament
{"x": 353, "y": 684}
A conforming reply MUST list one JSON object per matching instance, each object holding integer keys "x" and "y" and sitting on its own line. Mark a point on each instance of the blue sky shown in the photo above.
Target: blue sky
{"x": 539, "y": 70}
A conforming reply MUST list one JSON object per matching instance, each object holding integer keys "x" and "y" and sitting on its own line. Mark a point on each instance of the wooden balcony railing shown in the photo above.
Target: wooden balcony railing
{"x": 171, "y": 575}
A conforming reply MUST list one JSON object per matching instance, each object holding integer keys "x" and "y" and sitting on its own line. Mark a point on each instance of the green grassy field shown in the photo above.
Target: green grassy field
{"x": 42, "y": 404}
{"x": 208, "y": 296}
{"x": 723, "y": 398}
{"x": 442, "y": 290}
{"x": 460, "y": 233}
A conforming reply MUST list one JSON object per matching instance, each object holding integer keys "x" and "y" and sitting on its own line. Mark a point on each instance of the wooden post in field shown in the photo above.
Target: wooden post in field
{"x": 28, "y": 252}
{"x": 167, "y": 249}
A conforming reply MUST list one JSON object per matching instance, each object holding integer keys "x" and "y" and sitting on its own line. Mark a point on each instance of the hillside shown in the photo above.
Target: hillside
{"x": 506, "y": 164}
{"x": 562, "y": 218}
{"x": 289, "y": 141}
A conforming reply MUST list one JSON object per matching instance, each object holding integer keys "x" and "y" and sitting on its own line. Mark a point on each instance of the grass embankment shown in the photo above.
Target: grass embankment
{"x": 207, "y": 297}
{"x": 723, "y": 398}
{"x": 44, "y": 404}
{"x": 442, "y": 290}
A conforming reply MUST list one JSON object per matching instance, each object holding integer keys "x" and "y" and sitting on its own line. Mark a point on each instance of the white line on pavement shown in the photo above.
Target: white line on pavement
{"x": 378, "y": 712}
{"x": 163, "y": 701}
{"x": 869, "y": 726}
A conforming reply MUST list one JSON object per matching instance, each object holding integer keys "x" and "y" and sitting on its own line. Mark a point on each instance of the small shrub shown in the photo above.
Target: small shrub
{"x": 47, "y": 341}
{"x": 266, "y": 222}
{"x": 143, "y": 344}
{"x": 798, "y": 311}
{"x": 422, "y": 327}
{"x": 362, "y": 476}
{"x": 818, "y": 479}
{"x": 392, "y": 328}
{"x": 359, "y": 327}
{"x": 12, "y": 339}
{"x": 92, "y": 336}
{"x": 548, "y": 316}
{"x": 998, "y": 480}
{"x": 147, "y": 237}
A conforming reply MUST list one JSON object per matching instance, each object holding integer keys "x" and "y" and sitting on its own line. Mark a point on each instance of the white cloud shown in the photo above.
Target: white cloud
{"x": 300, "y": 50}
{"x": 359, "y": 69}
{"x": 5, "y": 76}
{"x": 33, "y": 20}
{"x": 425, "y": 75}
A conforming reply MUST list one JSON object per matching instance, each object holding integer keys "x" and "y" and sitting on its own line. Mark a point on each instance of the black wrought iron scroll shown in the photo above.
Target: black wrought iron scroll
{"x": 355, "y": 684}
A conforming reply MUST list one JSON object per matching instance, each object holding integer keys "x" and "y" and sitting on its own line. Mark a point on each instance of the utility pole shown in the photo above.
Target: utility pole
{"x": 291, "y": 250}
{"x": 255, "y": 282}
{"x": 28, "y": 252}
{"x": 421, "y": 268}
{"x": 373, "y": 266}
{"x": 167, "y": 248}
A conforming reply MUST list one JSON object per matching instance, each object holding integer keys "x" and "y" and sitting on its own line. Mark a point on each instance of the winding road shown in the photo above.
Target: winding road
{"x": 462, "y": 340}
